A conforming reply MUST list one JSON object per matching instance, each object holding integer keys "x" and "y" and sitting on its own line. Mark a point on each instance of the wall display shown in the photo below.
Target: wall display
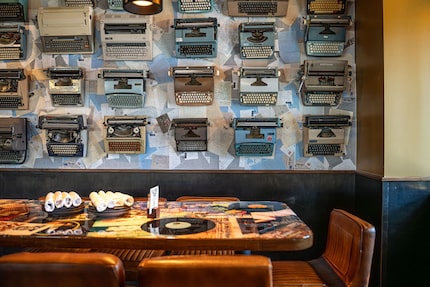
{"x": 277, "y": 87}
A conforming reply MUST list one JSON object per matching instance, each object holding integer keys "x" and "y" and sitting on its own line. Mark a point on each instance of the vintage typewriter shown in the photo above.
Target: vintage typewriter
{"x": 66, "y": 135}
{"x": 194, "y": 86}
{"x": 13, "y": 89}
{"x": 323, "y": 82}
{"x": 191, "y": 134}
{"x": 13, "y": 140}
{"x": 78, "y": 3}
{"x": 196, "y": 38}
{"x": 126, "y": 37}
{"x": 326, "y": 7}
{"x": 255, "y": 136}
{"x": 13, "y": 42}
{"x": 125, "y": 134}
{"x": 258, "y": 86}
{"x": 66, "y": 86}
{"x": 124, "y": 88}
{"x": 257, "y": 8}
{"x": 257, "y": 40}
{"x": 325, "y": 135}
{"x": 115, "y": 4}
{"x": 13, "y": 10}
{"x": 194, "y": 6}
{"x": 66, "y": 30}
{"x": 326, "y": 35}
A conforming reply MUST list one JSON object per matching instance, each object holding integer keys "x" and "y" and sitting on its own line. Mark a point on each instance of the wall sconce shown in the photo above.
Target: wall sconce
{"x": 145, "y": 7}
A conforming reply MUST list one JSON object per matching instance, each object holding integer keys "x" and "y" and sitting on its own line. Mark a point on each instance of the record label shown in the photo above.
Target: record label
{"x": 178, "y": 226}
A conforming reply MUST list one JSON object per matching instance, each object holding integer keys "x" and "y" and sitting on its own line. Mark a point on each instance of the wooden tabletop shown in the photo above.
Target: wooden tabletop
{"x": 256, "y": 226}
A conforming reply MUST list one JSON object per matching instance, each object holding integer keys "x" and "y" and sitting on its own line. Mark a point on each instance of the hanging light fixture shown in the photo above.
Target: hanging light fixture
{"x": 144, "y": 7}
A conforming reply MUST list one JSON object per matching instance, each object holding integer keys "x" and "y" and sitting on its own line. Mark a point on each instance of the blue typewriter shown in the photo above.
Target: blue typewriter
{"x": 255, "y": 136}
{"x": 258, "y": 86}
{"x": 13, "y": 42}
{"x": 257, "y": 40}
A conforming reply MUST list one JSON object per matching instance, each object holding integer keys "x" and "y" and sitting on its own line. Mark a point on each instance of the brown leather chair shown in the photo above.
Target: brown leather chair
{"x": 61, "y": 269}
{"x": 188, "y": 198}
{"x": 346, "y": 260}
{"x": 207, "y": 271}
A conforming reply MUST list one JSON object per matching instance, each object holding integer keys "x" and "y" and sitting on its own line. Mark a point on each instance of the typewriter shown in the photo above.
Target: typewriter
{"x": 326, "y": 35}
{"x": 325, "y": 135}
{"x": 326, "y": 7}
{"x": 13, "y": 42}
{"x": 126, "y": 37}
{"x": 194, "y": 6}
{"x": 195, "y": 38}
{"x": 115, "y": 4}
{"x": 13, "y": 89}
{"x": 194, "y": 86}
{"x": 13, "y": 140}
{"x": 66, "y": 86}
{"x": 191, "y": 134}
{"x": 257, "y": 40}
{"x": 66, "y": 30}
{"x": 78, "y": 3}
{"x": 323, "y": 82}
{"x": 258, "y": 86}
{"x": 13, "y": 10}
{"x": 257, "y": 8}
{"x": 124, "y": 88}
{"x": 66, "y": 135}
{"x": 125, "y": 134}
{"x": 255, "y": 136}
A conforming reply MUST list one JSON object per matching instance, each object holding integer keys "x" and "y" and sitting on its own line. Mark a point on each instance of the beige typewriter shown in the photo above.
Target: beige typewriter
{"x": 257, "y": 8}
{"x": 191, "y": 134}
{"x": 125, "y": 134}
{"x": 13, "y": 89}
{"x": 126, "y": 37}
{"x": 13, "y": 140}
{"x": 66, "y": 86}
{"x": 194, "y": 86}
{"x": 66, "y": 30}
{"x": 258, "y": 86}
{"x": 325, "y": 135}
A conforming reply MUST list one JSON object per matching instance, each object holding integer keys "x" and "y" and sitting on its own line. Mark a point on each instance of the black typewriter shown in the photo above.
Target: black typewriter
{"x": 191, "y": 134}
{"x": 13, "y": 89}
{"x": 13, "y": 140}
{"x": 254, "y": 8}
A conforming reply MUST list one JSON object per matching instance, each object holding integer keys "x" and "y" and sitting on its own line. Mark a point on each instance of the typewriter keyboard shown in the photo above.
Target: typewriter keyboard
{"x": 194, "y": 98}
{"x": 258, "y": 98}
{"x": 259, "y": 149}
{"x": 10, "y": 156}
{"x": 324, "y": 48}
{"x": 191, "y": 146}
{"x": 65, "y": 149}
{"x": 78, "y": 3}
{"x": 196, "y": 50}
{"x": 126, "y": 50}
{"x": 258, "y": 8}
{"x": 260, "y": 52}
{"x": 326, "y": 6}
{"x": 194, "y": 6}
{"x": 7, "y": 102}
{"x": 321, "y": 99}
{"x": 10, "y": 11}
{"x": 64, "y": 46}
{"x": 66, "y": 100}
{"x": 324, "y": 149}
{"x": 10, "y": 54}
{"x": 131, "y": 101}
{"x": 125, "y": 146}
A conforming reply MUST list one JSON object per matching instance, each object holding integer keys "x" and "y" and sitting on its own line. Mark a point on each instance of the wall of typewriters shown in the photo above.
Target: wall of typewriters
{"x": 223, "y": 88}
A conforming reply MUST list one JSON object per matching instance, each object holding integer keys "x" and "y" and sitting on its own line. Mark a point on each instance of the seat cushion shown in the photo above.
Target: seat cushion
{"x": 295, "y": 273}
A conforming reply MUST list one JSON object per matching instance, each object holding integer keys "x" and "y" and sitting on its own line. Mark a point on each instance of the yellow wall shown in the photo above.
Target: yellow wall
{"x": 407, "y": 88}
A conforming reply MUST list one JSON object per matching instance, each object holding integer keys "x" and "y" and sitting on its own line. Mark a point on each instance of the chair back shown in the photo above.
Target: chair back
{"x": 207, "y": 198}
{"x": 61, "y": 269}
{"x": 206, "y": 271}
{"x": 349, "y": 248}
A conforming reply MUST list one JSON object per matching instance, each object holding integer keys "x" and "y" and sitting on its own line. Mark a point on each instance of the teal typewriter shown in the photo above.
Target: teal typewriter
{"x": 13, "y": 42}
{"x": 196, "y": 37}
{"x": 258, "y": 86}
{"x": 13, "y": 10}
{"x": 257, "y": 40}
{"x": 255, "y": 136}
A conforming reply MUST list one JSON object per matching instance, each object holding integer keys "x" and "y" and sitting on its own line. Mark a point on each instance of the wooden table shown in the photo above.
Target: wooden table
{"x": 255, "y": 226}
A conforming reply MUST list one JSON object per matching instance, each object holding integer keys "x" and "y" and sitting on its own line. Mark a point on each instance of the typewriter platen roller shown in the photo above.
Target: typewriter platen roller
{"x": 191, "y": 134}
{"x": 325, "y": 135}
{"x": 13, "y": 89}
{"x": 66, "y": 86}
{"x": 13, "y": 140}
{"x": 125, "y": 134}
{"x": 255, "y": 136}
{"x": 66, "y": 135}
